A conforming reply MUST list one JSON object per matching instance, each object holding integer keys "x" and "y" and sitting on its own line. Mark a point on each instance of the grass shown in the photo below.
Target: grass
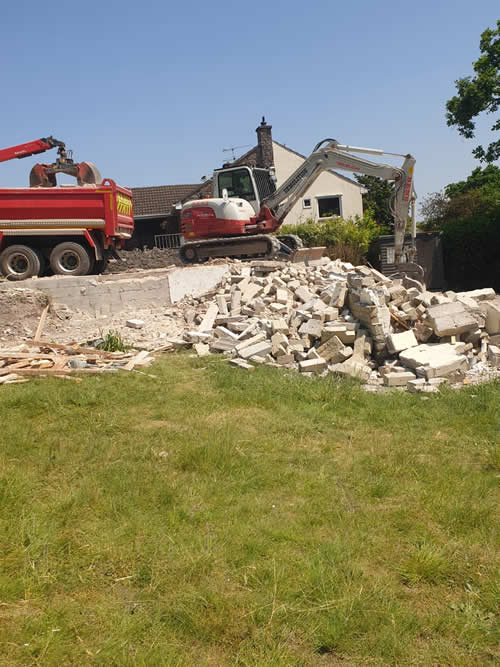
{"x": 210, "y": 516}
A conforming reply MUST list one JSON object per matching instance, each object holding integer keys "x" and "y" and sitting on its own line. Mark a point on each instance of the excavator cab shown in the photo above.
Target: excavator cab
{"x": 251, "y": 184}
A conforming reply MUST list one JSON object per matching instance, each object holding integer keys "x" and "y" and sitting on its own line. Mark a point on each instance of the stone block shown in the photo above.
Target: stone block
{"x": 312, "y": 365}
{"x": 494, "y": 356}
{"x": 397, "y": 342}
{"x": 134, "y": 324}
{"x": 208, "y": 320}
{"x": 398, "y": 379}
{"x": 353, "y": 367}
{"x": 259, "y": 349}
{"x": 201, "y": 349}
{"x": 450, "y": 319}
{"x": 493, "y": 316}
{"x": 438, "y": 360}
{"x": 311, "y": 328}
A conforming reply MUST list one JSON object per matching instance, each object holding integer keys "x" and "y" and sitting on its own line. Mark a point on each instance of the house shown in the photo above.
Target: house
{"x": 156, "y": 209}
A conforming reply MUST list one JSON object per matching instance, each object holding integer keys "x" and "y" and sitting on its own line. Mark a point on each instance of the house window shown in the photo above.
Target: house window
{"x": 329, "y": 206}
{"x": 306, "y": 203}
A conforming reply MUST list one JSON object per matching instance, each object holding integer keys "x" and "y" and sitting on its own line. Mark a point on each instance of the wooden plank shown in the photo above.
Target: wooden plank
{"x": 54, "y": 371}
{"x": 50, "y": 356}
{"x": 136, "y": 360}
{"x": 75, "y": 349}
{"x": 41, "y": 323}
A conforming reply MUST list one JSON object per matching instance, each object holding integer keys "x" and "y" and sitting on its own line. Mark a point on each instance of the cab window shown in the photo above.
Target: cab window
{"x": 237, "y": 183}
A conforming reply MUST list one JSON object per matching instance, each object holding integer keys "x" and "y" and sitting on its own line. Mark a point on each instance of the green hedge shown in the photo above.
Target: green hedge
{"x": 348, "y": 239}
{"x": 471, "y": 248}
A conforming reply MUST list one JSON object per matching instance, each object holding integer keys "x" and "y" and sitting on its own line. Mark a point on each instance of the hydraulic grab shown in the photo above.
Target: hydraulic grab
{"x": 44, "y": 175}
{"x": 247, "y": 207}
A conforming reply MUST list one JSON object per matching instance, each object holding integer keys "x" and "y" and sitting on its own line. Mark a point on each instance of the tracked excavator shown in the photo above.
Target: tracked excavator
{"x": 246, "y": 209}
{"x": 44, "y": 175}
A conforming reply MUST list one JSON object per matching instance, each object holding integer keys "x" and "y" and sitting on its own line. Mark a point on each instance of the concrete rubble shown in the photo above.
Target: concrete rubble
{"x": 332, "y": 317}
{"x": 316, "y": 318}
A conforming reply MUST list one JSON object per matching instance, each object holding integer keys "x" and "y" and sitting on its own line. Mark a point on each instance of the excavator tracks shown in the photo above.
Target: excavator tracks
{"x": 260, "y": 246}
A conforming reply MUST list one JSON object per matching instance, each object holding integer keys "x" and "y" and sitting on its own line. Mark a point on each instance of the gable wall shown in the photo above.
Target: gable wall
{"x": 327, "y": 184}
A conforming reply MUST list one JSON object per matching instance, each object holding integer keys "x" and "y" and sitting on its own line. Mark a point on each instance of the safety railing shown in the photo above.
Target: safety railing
{"x": 168, "y": 241}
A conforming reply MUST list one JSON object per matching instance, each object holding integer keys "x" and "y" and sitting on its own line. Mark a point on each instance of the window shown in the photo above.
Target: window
{"x": 306, "y": 203}
{"x": 329, "y": 206}
{"x": 238, "y": 183}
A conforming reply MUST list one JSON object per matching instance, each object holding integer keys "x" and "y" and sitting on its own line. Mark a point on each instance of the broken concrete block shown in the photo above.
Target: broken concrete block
{"x": 493, "y": 316}
{"x": 208, "y": 320}
{"x": 354, "y": 368}
{"x": 438, "y": 360}
{"x": 334, "y": 350}
{"x": 494, "y": 356}
{"x": 222, "y": 304}
{"x": 259, "y": 349}
{"x": 280, "y": 326}
{"x": 415, "y": 385}
{"x": 303, "y": 294}
{"x": 311, "y": 328}
{"x": 450, "y": 319}
{"x": 398, "y": 379}
{"x": 134, "y": 324}
{"x": 201, "y": 349}
{"x": 479, "y": 294}
{"x": 397, "y": 342}
{"x": 248, "y": 342}
{"x": 312, "y": 365}
{"x": 285, "y": 359}
{"x": 239, "y": 363}
{"x": 235, "y": 302}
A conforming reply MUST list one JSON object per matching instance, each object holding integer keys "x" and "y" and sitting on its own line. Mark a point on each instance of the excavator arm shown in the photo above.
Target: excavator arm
{"x": 331, "y": 155}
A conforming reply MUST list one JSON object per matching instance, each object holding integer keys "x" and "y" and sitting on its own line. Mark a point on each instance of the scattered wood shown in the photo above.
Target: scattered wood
{"x": 41, "y": 323}
{"x": 64, "y": 361}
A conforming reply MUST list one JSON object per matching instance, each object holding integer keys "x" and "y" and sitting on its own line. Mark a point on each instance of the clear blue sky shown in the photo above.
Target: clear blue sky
{"x": 151, "y": 92}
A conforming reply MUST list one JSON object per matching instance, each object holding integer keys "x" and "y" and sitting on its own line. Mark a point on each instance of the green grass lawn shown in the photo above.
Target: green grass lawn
{"x": 211, "y": 516}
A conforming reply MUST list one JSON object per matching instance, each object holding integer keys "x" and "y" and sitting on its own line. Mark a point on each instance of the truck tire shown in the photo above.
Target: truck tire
{"x": 71, "y": 259}
{"x": 100, "y": 266}
{"x": 19, "y": 262}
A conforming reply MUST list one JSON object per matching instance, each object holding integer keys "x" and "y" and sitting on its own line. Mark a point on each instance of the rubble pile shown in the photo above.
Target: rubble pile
{"x": 351, "y": 321}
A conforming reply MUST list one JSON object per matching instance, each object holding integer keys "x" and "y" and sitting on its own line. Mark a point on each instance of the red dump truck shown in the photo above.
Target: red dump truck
{"x": 68, "y": 230}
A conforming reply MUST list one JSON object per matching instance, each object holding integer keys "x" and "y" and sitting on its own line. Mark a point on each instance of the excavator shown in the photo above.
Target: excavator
{"x": 246, "y": 208}
{"x": 44, "y": 175}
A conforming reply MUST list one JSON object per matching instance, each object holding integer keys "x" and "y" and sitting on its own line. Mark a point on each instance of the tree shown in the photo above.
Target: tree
{"x": 478, "y": 195}
{"x": 487, "y": 178}
{"x": 480, "y": 93}
{"x": 377, "y": 198}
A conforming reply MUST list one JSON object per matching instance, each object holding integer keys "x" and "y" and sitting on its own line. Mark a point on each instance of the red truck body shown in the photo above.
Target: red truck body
{"x": 98, "y": 217}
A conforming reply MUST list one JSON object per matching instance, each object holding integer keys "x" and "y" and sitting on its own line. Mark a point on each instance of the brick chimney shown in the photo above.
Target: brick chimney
{"x": 265, "y": 157}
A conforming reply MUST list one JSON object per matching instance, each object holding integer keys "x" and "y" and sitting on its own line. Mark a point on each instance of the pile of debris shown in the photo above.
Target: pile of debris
{"x": 38, "y": 358}
{"x": 352, "y": 321}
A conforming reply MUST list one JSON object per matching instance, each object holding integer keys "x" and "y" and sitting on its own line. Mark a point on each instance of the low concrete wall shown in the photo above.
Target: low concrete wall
{"x": 108, "y": 294}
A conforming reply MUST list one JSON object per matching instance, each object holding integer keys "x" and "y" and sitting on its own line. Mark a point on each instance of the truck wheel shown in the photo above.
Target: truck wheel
{"x": 70, "y": 259}
{"x": 100, "y": 266}
{"x": 19, "y": 262}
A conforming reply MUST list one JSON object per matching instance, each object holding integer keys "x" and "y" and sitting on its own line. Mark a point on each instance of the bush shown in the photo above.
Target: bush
{"x": 471, "y": 251}
{"x": 347, "y": 239}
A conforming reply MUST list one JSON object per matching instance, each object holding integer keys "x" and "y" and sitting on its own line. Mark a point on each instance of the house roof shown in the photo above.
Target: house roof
{"x": 159, "y": 199}
{"x": 345, "y": 178}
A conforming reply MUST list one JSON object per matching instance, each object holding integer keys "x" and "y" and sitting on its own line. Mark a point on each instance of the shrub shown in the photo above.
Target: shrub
{"x": 348, "y": 239}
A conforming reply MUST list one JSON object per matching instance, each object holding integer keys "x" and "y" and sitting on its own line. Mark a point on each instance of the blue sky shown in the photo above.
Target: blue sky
{"x": 152, "y": 92}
